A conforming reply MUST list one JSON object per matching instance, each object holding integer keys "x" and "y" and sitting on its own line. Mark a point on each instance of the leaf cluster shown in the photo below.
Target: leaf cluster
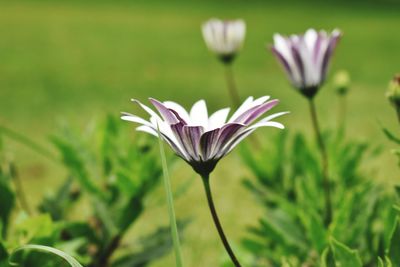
{"x": 288, "y": 184}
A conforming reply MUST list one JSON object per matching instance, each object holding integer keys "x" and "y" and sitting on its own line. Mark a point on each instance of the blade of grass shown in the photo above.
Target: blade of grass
{"x": 170, "y": 204}
{"x": 29, "y": 143}
{"x": 71, "y": 261}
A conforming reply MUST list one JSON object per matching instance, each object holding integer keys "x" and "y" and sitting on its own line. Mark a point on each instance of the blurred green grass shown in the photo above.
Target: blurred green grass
{"x": 76, "y": 61}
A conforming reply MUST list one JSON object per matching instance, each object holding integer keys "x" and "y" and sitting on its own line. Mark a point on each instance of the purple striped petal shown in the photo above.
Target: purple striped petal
{"x": 208, "y": 143}
{"x": 177, "y": 129}
{"x": 283, "y": 60}
{"x": 254, "y": 113}
{"x": 192, "y": 137}
{"x": 328, "y": 54}
{"x": 227, "y": 132}
{"x": 166, "y": 113}
{"x": 298, "y": 61}
{"x": 317, "y": 48}
{"x": 175, "y": 147}
{"x": 178, "y": 116}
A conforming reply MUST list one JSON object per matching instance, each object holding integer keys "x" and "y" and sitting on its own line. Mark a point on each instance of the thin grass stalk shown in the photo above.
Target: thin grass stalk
{"x": 170, "y": 204}
{"x": 29, "y": 143}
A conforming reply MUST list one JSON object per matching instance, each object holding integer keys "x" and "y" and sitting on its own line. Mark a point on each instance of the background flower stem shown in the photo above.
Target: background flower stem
{"x": 324, "y": 159}
{"x": 342, "y": 109}
{"x": 206, "y": 182}
{"x": 232, "y": 89}
{"x": 170, "y": 204}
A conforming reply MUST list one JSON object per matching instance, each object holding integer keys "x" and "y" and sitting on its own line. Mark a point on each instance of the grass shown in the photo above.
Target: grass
{"x": 77, "y": 61}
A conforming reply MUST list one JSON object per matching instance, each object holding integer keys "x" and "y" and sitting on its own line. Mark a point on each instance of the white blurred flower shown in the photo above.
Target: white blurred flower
{"x": 306, "y": 57}
{"x": 224, "y": 37}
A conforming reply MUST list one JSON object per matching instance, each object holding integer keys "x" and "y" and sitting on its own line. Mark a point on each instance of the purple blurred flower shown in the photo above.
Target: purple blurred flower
{"x": 224, "y": 37}
{"x": 306, "y": 58}
{"x": 199, "y": 139}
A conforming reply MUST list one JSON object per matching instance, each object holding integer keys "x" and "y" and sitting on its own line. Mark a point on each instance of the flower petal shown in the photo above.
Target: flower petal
{"x": 178, "y": 109}
{"x": 208, "y": 142}
{"x": 167, "y": 114}
{"x": 225, "y": 135}
{"x": 218, "y": 118}
{"x": 199, "y": 114}
{"x": 134, "y": 118}
{"x": 255, "y": 112}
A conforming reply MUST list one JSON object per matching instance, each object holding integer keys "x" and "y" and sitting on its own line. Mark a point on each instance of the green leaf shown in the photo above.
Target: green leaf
{"x": 32, "y": 229}
{"x": 3, "y": 253}
{"x": 73, "y": 160}
{"x": 315, "y": 230}
{"x": 153, "y": 246}
{"x": 7, "y": 201}
{"x": 394, "y": 247}
{"x": 71, "y": 261}
{"x": 344, "y": 256}
{"x": 391, "y": 136}
{"x": 325, "y": 257}
{"x": 384, "y": 263}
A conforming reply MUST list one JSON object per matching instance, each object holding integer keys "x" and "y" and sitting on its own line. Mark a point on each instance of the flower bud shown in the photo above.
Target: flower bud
{"x": 341, "y": 82}
{"x": 393, "y": 93}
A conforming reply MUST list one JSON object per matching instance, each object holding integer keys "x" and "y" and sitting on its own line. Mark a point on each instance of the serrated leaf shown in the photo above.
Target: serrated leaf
{"x": 344, "y": 256}
{"x": 71, "y": 261}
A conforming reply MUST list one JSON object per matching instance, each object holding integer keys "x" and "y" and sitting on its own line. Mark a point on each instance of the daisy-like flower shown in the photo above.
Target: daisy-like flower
{"x": 202, "y": 140}
{"x": 306, "y": 58}
{"x": 199, "y": 139}
{"x": 224, "y": 37}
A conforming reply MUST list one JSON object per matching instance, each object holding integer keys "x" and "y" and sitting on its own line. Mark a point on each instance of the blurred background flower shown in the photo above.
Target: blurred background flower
{"x": 306, "y": 58}
{"x": 224, "y": 37}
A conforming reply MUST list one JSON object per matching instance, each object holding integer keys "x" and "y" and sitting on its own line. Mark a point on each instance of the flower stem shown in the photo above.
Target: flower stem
{"x": 342, "y": 109}
{"x": 170, "y": 204}
{"x": 398, "y": 114}
{"x": 324, "y": 159}
{"x": 206, "y": 182}
{"x": 232, "y": 89}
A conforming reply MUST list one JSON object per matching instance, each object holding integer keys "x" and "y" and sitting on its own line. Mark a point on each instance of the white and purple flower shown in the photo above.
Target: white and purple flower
{"x": 224, "y": 37}
{"x": 306, "y": 58}
{"x": 199, "y": 139}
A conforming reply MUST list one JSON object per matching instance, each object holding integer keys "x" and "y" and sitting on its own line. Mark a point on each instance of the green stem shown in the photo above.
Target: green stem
{"x": 170, "y": 204}
{"x": 206, "y": 182}
{"x": 324, "y": 159}
{"x": 232, "y": 89}
{"x": 398, "y": 114}
{"x": 342, "y": 113}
